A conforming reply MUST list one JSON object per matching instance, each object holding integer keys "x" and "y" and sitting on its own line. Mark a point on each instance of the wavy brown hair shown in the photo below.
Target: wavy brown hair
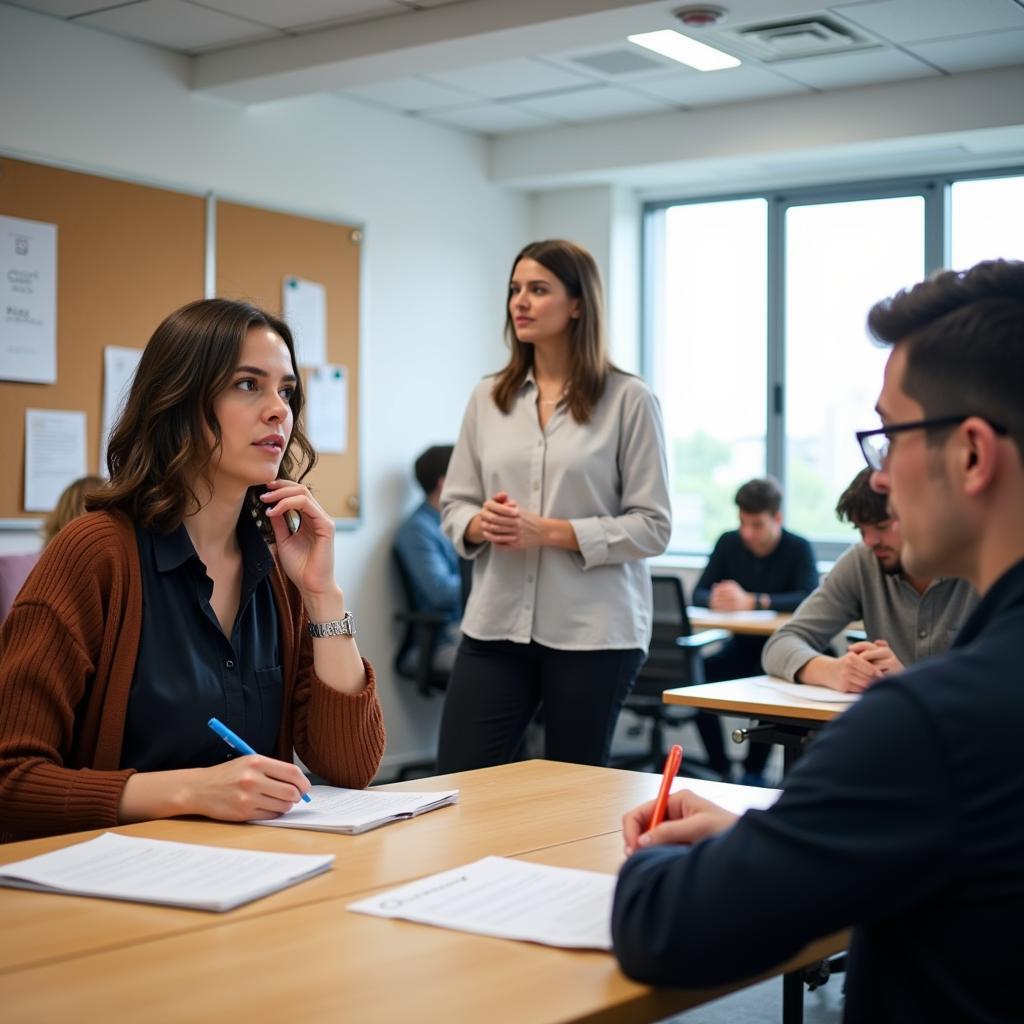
{"x": 160, "y": 451}
{"x": 589, "y": 365}
{"x": 70, "y": 505}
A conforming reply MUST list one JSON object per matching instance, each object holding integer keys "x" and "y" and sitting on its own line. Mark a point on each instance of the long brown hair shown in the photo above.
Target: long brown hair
{"x": 588, "y": 348}
{"x": 160, "y": 450}
{"x": 70, "y": 505}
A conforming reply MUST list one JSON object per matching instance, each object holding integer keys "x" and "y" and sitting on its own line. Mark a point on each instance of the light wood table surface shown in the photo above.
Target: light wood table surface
{"x": 508, "y": 810}
{"x": 753, "y": 623}
{"x": 749, "y": 697}
{"x": 319, "y": 962}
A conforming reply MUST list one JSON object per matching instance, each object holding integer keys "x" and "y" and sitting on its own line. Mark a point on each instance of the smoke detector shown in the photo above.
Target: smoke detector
{"x": 700, "y": 15}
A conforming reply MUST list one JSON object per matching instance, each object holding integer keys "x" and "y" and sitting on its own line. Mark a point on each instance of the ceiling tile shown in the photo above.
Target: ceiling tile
{"x": 510, "y": 78}
{"x": 705, "y": 88}
{"x": 61, "y": 8}
{"x": 491, "y": 118}
{"x": 617, "y": 53}
{"x": 593, "y": 104}
{"x": 847, "y": 69}
{"x": 974, "y": 53}
{"x": 176, "y": 25}
{"x": 411, "y": 94}
{"x": 904, "y": 21}
{"x": 297, "y": 13}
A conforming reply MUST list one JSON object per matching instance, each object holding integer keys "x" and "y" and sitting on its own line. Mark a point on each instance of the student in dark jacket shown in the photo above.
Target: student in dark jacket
{"x": 929, "y": 870}
{"x": 759, "y": 566}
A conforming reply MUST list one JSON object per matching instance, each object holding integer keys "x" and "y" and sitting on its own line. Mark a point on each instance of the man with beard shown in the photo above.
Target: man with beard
{"x": 906, "y": 618}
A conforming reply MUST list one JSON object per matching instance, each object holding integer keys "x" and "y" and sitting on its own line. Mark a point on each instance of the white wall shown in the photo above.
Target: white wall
{"x": 439, "y": 238}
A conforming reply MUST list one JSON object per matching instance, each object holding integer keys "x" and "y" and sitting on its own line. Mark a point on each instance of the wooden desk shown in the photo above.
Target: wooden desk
{"x": 748, "y": 697}
{"x": 509, "y": 810}
{"x": 319, "y": 963}
{"x": 753, "y": 623}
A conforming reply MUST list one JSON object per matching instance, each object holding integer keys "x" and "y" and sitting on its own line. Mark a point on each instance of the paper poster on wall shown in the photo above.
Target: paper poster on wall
{"x": 327, "y": 409}
{"x": 305, "y": 311}
{"x": 54, "y": 455}
{"x": 119, "y": 366}
{"x": 28, "y": 292}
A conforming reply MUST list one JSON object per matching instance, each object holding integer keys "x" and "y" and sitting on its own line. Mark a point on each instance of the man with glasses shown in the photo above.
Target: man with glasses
{"x": 906, "y": 617}
{"x": 905, "y": 818}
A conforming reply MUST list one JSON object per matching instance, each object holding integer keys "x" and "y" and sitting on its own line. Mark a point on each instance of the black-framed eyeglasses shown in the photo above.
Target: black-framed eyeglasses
{"x": 874, "y": 444}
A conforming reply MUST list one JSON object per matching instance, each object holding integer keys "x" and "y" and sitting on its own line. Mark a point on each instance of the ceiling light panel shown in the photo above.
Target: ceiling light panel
{"x": 676, "y": 46}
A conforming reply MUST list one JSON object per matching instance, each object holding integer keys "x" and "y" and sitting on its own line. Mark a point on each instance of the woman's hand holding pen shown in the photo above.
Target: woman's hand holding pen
{"x": 238, "y": 790}
{"x": 688, "y": 819}
{"x": 306, "y": 556}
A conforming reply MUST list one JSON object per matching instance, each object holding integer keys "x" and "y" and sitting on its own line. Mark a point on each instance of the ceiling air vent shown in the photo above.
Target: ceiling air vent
{"x": 805, "y": 37}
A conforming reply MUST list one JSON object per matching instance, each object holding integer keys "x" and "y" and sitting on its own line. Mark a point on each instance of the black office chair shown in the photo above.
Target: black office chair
{"x": 421, "y": 634}
{"x": 675, "y": 658}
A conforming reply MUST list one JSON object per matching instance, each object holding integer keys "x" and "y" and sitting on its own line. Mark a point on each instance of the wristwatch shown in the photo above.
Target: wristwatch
{"x": 345, "y": 626}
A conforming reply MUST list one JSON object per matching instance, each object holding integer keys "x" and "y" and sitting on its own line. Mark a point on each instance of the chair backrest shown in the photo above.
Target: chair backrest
{"x": 14, "y": 570}
{"x": 409, "y": 631}
{"x": 667, "y": 664}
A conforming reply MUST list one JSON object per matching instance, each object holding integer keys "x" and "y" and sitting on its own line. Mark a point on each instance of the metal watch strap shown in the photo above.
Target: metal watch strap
{"x": 345, "y": 626}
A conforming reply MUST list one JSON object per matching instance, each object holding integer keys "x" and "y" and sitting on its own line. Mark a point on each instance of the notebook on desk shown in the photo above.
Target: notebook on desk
{"x": 117, "y": 867}
{"x": 351, "y": 811}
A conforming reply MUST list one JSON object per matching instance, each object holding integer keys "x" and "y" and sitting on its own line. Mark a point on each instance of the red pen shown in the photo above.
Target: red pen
{"x": 675, "y": 755}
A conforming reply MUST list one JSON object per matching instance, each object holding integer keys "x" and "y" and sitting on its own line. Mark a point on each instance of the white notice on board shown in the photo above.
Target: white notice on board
{"x": 327, "y": 408}
{"x": 54, "y": 455}
{"x": 119, "y": 366}
{"x": 28, "y": 290}
{"x": 305, "y": 311}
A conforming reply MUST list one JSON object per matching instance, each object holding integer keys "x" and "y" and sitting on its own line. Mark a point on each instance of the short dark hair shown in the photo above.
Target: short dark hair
{"x": 760, "y": 495}
{"x": 964, "y": 334}
{"x": 432, "y": 465}
{"x": 860, "y": 505}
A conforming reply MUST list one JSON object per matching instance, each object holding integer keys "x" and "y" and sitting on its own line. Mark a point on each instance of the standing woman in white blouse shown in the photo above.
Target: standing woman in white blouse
{"x": 558, "y": 490}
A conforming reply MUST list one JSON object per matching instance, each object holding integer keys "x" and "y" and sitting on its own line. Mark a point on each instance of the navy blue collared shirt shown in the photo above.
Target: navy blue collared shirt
{"x": 188, "y": 671}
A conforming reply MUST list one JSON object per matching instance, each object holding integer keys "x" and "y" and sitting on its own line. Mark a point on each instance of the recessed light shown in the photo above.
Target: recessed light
{"x": 676, "y": 46}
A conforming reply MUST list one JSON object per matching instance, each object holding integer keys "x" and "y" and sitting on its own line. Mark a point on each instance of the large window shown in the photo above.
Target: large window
{"x": 754, "y": 336}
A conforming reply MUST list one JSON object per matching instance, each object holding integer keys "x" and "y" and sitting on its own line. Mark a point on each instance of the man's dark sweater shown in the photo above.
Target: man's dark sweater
{"x": 905, "y": 819}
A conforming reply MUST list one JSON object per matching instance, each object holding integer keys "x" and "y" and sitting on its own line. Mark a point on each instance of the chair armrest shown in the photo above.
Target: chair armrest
{"x": 703, "y": 638}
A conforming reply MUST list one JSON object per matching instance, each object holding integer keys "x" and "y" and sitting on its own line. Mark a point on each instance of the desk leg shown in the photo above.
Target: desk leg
{"x": 793, "y": 998}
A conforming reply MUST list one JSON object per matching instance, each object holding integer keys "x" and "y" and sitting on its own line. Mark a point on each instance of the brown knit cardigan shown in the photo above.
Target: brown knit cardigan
{"x": 67, "y": 658}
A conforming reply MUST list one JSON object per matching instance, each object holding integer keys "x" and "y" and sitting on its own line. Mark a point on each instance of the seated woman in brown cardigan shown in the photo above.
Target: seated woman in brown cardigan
{"x": 164, "y": 606}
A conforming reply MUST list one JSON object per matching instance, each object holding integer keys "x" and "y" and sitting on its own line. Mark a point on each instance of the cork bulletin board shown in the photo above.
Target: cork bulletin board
{"x": 129, "y": 254}
{"x": 256, "y": 251}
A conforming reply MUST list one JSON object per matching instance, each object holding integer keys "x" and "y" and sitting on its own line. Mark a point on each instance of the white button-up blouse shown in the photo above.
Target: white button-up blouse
{"x": 608, "y": 477}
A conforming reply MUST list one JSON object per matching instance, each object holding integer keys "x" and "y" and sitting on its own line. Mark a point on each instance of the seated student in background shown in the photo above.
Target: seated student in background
{"x": 905, "y": 817}
{"x": 165, "y": 607}
{"x": 760, "y": 565}
{"x": 906, "y": 618}
{"x": 70, "y": 505}
{"x": 428, "y": 558}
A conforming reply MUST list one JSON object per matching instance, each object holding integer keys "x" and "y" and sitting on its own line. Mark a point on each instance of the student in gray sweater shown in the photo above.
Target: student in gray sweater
{"x": 906, "y": 618}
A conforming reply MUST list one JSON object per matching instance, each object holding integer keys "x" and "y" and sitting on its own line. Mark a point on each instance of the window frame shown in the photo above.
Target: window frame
{"x": 935, "y": 190}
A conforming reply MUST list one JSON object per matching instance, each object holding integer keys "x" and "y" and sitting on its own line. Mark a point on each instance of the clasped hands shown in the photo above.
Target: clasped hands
{"x": 729, "y": 596}
{"x": 864, "y": 663}
{"x": 506, "y": 524}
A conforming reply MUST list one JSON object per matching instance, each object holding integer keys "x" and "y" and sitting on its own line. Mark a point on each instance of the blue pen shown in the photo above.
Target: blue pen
{"x": 234, "y": 740}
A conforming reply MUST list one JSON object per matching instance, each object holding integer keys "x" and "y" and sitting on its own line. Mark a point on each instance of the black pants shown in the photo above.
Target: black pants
{"x": 741, "y": 657}
{"x": 496, "y": 686}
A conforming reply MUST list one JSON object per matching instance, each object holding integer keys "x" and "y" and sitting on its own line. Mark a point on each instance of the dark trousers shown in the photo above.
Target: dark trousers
{"x": 739, "y": 658}
{"x": 496, "y": 687}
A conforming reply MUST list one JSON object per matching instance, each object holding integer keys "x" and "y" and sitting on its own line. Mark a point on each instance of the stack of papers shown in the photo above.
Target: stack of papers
{"x": 807, "y": 691}
{"x": 117, "y": 867}
{"x": 509, "y": 899}
{"x": 351, "y": 811}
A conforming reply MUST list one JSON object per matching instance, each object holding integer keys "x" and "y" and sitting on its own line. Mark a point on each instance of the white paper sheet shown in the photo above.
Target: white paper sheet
{"x": 509, "y": 899}
{"x": 28, "y": 300}
{"x": 119, "y": 365}
{"x": 753, "y": 615}
{"x": 119, "y": 867}
{"x": 806, "y": 691}
{"x": 327, "y": 408}
{"x": 305, "y": 311}
{"x": 54, "y": 455}
{"x": 351, "y": 811}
